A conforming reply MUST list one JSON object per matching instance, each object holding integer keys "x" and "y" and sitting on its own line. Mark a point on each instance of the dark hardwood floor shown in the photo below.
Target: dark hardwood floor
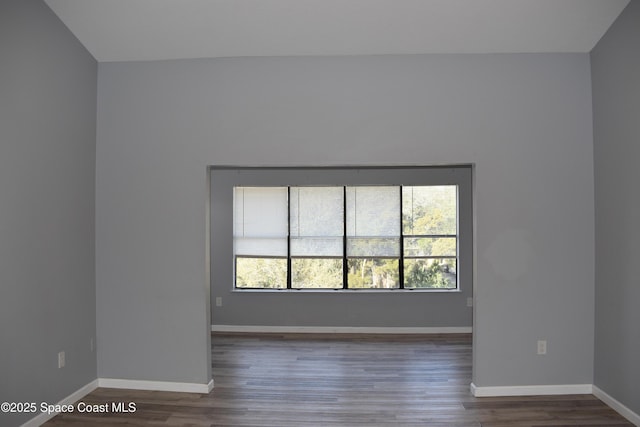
{"x": 321, "y": 380}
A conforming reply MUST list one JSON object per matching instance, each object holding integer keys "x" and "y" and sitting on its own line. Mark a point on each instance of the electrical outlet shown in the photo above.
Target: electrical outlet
{"x": 218, "y": 301}
{"x": 61, "y": 361}
{"x": 542, "y": 347}
{"x": 470, "y": 302}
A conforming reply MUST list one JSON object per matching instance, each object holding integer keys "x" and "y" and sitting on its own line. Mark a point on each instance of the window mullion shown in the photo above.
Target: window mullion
{"x": 288, "y": 237}
{"x": 345, "y": 266}
{"x": 401, "y": 257}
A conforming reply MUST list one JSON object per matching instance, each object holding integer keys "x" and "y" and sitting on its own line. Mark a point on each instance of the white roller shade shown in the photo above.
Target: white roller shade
{"x": 316, "y": 222}
{"x": 260, "y": 221}
{"x": 373, "y": 221}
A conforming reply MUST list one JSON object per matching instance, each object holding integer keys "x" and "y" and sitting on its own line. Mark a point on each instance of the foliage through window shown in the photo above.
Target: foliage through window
{"x": 346, "y": 237}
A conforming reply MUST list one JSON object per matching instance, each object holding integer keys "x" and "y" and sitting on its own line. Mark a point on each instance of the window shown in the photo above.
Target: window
{"x": 373, "y": 237}
{"x": 260, "y": 237}
{"x": 346, "y": 237}
{"x": 316, "y": 237}
{"x": 430, "y": 236}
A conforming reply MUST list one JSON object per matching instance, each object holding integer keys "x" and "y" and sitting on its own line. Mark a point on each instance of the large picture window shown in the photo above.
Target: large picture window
{"x": 346, "y": 237}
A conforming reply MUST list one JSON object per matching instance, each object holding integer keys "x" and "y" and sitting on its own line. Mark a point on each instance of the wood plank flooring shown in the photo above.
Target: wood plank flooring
{"x": 326, "y": 380}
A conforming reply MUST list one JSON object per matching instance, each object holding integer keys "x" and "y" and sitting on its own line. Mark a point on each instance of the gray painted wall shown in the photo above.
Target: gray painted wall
{"x": 524, "y": 121}
{"x": 47, "y": 180}
{"x": 330, "y": 308}
{"x": 615, "y": 67}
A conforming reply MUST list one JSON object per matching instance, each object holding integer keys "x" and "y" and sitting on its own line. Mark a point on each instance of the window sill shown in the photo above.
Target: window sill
{"x": 348, "y": 291}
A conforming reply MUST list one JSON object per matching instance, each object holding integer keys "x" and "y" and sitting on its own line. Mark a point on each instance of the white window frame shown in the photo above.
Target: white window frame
{"x": 349, "y": 232}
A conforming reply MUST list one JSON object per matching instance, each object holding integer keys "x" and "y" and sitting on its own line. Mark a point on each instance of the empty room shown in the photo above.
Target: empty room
{"x": 319, "y": 212}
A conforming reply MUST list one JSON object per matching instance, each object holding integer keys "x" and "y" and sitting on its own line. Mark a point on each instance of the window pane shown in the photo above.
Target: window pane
{"x": 430, "y": 273}
{"x": 373, "y": 273}
{"x": 316, "y": 212}
{"x": 309, "y": 273}
{"x": 429, "y": 210}
{"x": 316, "y": 225}
{"x": 260, "y": 211}
{"x": 268, "y": 273}
{"x": 367, "y": 247}
{"x": 427, "y": 246}
{"x": 260, "y": 221}
{"x": 258, "y": 246}
{"x": 373, "y": 211}
{"x": 316, "y": 246}
{"x": 373, "y": 222}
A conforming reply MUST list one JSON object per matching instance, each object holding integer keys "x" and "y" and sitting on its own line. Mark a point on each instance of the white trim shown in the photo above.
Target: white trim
{"x": 156, "y": 385}
{"x": 340, "y": 290}
{"x": 72, "y": 398}
{"x": 616, "y": 406}
{"x": 531, "y": 390}
{"x": 341, "y": 329}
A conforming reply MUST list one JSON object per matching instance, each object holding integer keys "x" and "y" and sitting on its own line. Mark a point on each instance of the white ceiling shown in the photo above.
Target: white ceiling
{"x": 129, "y": 30}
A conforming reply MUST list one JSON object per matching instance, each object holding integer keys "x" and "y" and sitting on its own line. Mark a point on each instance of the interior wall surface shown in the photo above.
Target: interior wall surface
{"x": 48, "y": 86}
{"x": 523, "y": 120}
{"x": 615, "y": 65}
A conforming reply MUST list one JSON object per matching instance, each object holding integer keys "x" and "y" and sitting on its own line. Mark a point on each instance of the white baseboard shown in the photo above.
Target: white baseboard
{"x": 341, "y": 329}
{"x": 72, "y": 398}
{"x": 531, "y": 390}
{"x": 117, "y": 383}
{"x": 617, "y": 406}
{"x": 156, "y": 385}
{"x": 541, "y": 390}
